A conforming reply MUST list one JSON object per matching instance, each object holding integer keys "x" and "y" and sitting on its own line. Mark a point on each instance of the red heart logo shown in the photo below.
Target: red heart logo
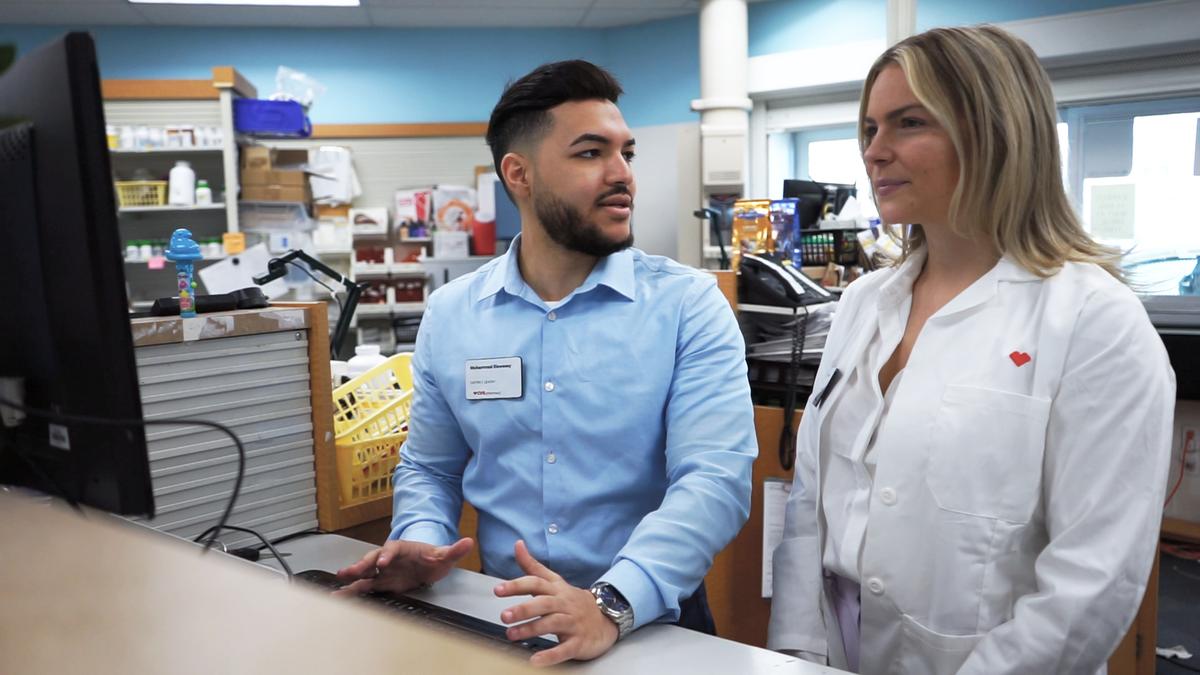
{"x": 1020, "y": 358}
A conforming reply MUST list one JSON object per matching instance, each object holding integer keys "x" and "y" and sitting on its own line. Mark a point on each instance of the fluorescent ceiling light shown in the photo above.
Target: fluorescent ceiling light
{"x": 288, "y": 3}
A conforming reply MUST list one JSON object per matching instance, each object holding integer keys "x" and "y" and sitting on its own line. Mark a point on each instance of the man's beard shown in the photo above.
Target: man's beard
{"x": 566, "y": 226}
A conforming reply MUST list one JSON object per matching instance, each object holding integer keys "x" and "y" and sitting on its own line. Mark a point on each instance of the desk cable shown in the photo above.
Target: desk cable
{"x": 102, "y": 421}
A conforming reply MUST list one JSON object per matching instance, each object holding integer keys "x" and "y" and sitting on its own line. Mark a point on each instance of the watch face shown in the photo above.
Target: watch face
{"x": 611, "y": 598}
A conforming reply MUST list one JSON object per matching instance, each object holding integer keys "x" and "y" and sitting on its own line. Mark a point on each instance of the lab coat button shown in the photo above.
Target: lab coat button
{"x": 875, "y": 585}
{"x": 553, "y": 529}
{"x": 549, "y": 386}
{"x": 552, "y": 316}
{"x": 551, "y": 458}
{"x": 888, "y": 496}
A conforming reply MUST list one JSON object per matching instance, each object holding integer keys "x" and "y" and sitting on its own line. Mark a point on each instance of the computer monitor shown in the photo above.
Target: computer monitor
{"x": 816, "y": 197}
{"x": 66, "y": 346}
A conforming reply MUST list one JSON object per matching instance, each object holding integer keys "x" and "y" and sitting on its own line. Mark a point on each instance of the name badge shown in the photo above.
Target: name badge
{"x": 494, "y": 378}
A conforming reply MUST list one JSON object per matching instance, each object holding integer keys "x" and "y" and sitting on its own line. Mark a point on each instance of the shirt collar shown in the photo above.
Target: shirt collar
{"x": 614, "y": 271}
{"x": 505, "y": 274}
{"x": 894, "y": 290}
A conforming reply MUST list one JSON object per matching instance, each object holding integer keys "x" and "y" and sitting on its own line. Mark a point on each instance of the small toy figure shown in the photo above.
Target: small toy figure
{"x": 184, "y": 252}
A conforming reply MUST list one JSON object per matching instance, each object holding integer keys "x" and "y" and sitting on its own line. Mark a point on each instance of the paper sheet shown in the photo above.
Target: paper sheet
{"x": 775, "y": 496}
{"x": 237, "y": 271}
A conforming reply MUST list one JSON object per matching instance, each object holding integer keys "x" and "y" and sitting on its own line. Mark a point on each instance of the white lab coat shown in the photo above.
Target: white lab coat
{"x": 1015, "y": 509}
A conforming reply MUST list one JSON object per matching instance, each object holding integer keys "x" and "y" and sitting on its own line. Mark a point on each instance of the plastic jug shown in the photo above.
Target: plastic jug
{"x": 365, "y": 358}
{"x": 182, "y": 185}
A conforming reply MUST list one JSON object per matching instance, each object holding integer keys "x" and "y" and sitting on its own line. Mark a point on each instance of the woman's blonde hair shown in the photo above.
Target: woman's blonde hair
{"x": 988, "y": 90}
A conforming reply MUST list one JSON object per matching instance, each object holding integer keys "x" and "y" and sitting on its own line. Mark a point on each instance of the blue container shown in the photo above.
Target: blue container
{"x": 270, "y": 118}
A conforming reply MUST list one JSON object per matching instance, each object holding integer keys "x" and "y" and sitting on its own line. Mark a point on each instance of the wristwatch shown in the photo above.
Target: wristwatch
{"x": 614, "y": 606}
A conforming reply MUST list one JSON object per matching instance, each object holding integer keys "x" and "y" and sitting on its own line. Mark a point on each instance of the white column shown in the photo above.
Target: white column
{"x": 723, "y": 104}
{"x": 901, "y": 20}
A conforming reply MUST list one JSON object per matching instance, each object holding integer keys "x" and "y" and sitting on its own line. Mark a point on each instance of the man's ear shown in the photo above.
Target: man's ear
{"x": 516, "y": 171}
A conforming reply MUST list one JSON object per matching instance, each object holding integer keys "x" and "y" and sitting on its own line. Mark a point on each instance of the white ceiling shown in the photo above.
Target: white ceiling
{"x": 372, "y": 13}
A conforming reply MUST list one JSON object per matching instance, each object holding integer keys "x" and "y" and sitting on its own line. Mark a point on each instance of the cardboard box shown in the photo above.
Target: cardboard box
{"x": 265, "y": 158}
{"x": 291, "y": 178}
{"x": 276, "y": 193}
{"x": 296, "y": 158}
{"x": 256, "y": 157}
{"x": 333, "y": 212}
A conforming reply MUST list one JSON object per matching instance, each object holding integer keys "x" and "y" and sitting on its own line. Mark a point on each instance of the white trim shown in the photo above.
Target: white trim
{"x": 727, "y": 103}
{"x": 1116, "y": 34}
{"x": 1146, "y": 29}
{"x": 1164, "y": 76}
{"x": 786, "y": 118}
{"x": 807, "y": 70}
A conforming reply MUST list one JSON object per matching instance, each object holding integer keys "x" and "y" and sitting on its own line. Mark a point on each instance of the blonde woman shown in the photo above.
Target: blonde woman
{"x": 980, "y": 469}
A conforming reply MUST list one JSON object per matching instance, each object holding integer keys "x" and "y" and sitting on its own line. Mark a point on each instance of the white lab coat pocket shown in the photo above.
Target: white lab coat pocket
{"x": 927, "y": 652}
{"x": 986, "y": 450}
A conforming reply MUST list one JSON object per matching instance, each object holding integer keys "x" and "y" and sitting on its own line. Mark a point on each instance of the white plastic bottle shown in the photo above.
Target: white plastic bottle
{"x": 182, "y": 185}
{"x": 203, "y": 193}
{"x": 365, "y": 358}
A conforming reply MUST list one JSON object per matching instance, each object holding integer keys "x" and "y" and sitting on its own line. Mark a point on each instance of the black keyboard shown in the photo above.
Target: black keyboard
{"x": 419, "y": 609}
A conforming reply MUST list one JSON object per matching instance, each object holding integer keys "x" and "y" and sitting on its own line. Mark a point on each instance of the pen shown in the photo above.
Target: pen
{"x": 833, "y": 380}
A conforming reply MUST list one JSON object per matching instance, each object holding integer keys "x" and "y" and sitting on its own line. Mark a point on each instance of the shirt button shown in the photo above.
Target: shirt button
{"x": 888, "y": 496}
{"x": 553, "y": 529}
{"x": 875, "y": 585}
{"x": 549, "y": 386}
{"x": 551, "y": 458}
{"x": 552, "y": 316}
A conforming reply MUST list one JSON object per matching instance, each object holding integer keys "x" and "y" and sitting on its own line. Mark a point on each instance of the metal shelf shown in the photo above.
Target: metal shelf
{"x": 171, "y": 209}
{"x": 166, "y": 151}
{"x": 379, "y": 269}
{"x": 387, "y": 310}
{"x": 143, "y": 261}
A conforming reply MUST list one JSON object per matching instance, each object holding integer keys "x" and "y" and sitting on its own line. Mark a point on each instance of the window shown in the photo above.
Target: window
{"x": 826, "y": 155}
{"x": 1133, "y": 171}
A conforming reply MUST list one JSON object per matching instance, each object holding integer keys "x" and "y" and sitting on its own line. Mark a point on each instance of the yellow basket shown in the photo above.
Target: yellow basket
{"x": 371, "y": 423}
{"x": 367, "y": 455}
{"x": 141, "y": 193}
{"x": 367, "y": 394}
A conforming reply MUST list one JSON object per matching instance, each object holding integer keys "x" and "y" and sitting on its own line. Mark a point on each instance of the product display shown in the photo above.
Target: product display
{"x": 751, "y": 229}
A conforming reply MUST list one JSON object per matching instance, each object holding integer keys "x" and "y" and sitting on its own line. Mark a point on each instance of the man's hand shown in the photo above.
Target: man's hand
{"x": 401, "y": 566}
{"x": 566, "y": 611}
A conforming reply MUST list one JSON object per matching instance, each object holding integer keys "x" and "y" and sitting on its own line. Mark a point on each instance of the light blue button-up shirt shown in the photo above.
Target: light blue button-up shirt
{"x": 626, "y": 458}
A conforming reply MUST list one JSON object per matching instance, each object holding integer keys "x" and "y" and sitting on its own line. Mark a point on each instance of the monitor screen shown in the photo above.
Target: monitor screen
{"x": 816, "y": 199}
{"x": 67, "y": 346}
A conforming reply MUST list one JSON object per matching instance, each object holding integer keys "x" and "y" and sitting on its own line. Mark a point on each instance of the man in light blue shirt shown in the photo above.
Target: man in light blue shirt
{"x": 588, "y": 399}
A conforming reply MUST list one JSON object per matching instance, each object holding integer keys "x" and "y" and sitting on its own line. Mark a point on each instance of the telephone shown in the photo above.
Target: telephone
{"x": 766, "y": 282}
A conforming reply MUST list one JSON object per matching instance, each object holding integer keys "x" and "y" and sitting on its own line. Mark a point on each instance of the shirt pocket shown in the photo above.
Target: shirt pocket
{"x": 986, "y": 452}
{"x": 928, "y": 652}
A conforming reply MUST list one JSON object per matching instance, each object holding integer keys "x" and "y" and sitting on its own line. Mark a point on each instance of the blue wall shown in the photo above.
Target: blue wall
{"x": 456, "y": 75}
{"x": 659, "y": 67}
{"x": 788, "y": 25}
{"x": 372, "y": 75}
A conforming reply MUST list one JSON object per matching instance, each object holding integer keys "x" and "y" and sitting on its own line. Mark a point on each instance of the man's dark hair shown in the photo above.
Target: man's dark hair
{"x": 523, "y": 111}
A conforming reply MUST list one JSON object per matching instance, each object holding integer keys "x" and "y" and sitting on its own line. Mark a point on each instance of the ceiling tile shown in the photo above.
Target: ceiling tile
{"x": 75, "y": 13}
{"x": 497, "y": 5}
{"x": 463, "y": 17}
{"x": 608, "y": 18}
{"x": 308, "y": 17}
